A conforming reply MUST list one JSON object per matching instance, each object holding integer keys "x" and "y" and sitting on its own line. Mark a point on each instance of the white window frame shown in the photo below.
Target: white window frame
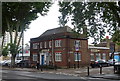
{"x": 50, "y": 44}
{"x": 92, "y": 58}
{"x": 40, "y": 44}
{"x": 58, "y": 56}
{"x": 50, "y": 56}
{"x": 35, "y": 56}
{"x": 35, "y": 45}
{"x": 99, "y": 56}
{"x": 45, "y": 44}
{"x": 104, "y": 56}
{"x": 77, "y": 56}
{"x": 57, "y": 43}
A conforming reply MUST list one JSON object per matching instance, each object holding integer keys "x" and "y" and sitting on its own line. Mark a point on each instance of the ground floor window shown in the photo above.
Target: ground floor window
{"x": 98, "y": 57}
{"x": 34, "y": 57}
{"x": 104, "y": 56}
{"x": 77, "y": 56}
{"x": 50, "y": 56}
{"x": 58, "y": 56}
{"x": 92, "y": 57}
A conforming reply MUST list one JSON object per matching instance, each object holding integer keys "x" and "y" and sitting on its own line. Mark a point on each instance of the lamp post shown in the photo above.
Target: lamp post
{"x": 38, "y": 51}
{"x": 52, "y": 52}
{"x": 113, "y": 57}
{"x": 77, "y": 45}
{"x": 77, "y": 51}
{"x": 78, "y": 58}
{"x": 22, "y": 46}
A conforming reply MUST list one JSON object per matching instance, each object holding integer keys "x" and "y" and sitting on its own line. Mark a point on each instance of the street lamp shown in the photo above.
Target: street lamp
{"x": 78, "y": 58}
{"x": 38, "y": 51}
{"x": 113, "y": 57}
{"x": 52, "y": 52}
{"x": 23, "y": 44}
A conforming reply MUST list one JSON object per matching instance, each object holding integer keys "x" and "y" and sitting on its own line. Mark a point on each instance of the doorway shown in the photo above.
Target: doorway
{"x": 42, "y": 59}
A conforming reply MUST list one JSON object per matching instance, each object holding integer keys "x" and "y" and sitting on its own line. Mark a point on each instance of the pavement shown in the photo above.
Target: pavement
{"x": 107, "y": 72}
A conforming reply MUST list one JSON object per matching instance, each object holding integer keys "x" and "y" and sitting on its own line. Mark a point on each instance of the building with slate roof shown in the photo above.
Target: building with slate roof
{"x": 60, "y": 47}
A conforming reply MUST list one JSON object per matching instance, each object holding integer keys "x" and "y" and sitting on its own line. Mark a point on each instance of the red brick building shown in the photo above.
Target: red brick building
{"x": 59, "y": 47}
{"x": 97, "y": 53}
{"x": 62, "y": 48}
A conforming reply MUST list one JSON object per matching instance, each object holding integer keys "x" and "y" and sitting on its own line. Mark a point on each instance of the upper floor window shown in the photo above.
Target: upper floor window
{"x": 45, "y": 44}
{"x": 40, "y": 44}
{"x": 35, "y": 45}
{"x": 57, "y": 43}
{"x": 50, "y": 44}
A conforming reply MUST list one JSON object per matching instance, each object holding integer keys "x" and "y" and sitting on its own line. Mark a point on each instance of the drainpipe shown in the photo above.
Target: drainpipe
{"x": 52, "y": 52}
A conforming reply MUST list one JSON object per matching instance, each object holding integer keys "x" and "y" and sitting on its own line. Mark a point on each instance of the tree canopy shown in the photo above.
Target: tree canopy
{"x": 97, "y": 16}
{"x": 17, "y": 16}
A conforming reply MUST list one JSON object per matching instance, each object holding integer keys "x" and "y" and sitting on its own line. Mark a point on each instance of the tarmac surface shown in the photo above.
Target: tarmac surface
{"x": 107, "y": 72}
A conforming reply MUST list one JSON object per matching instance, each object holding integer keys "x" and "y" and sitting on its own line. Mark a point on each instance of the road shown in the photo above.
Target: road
{"x": 12, "y": 75}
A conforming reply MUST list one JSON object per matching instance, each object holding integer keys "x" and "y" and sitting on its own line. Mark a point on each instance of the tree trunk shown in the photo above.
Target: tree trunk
{"x": 3, "y": 41}
{"x": 13, "y": 60}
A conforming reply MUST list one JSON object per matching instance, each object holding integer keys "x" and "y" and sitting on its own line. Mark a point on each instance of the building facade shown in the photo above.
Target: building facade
{"x": 59, "y": 47}
{"x": 62, "y": 48}
{"x": 98, "y": 53}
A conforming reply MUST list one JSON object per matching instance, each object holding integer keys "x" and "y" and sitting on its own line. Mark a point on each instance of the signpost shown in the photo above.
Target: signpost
{"x": 77, "y": 45}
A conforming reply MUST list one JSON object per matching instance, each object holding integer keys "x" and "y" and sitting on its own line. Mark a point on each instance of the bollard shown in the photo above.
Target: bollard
{"x": 114, "y": 69}
{"x": 74, "y": 66}
{"x": 100, "y": 69}
{"x": 55, "y": 67}
{"x": 88, "y": 71}
{"x": 41, "y": 68}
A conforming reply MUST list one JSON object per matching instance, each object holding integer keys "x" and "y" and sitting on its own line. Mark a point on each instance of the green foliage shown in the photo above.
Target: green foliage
{"x": 17, "y": 16}
{"x": 13, "y": 48}
{"x": 97, "y": 16}
{"x": 5, "y": 51}
{"x": 22, "y": 13}
{"x": 116, "y": 37}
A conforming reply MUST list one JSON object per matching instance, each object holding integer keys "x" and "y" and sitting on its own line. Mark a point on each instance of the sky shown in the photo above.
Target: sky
{"x": 43, "y": 23}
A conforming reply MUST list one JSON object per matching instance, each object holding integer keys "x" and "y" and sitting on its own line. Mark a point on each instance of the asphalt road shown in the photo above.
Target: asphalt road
{"x": 12, "y": 75}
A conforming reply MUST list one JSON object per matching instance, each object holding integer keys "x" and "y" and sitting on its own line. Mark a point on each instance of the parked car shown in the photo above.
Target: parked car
{"x": 17, "y": 61}
{"x": 6, "y": 62}
{"x": 24, "y": 63}
{"x": 117, "y": 67}
{"x": 112, "y": 61}
{"x": 99, "y": 63}
{"x": 2, "y": 62}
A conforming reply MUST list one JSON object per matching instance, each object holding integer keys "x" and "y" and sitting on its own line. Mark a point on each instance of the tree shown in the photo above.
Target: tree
{"x": 116, "y": 37}
{"x": 16, "y": 17}
{"x": 97, "y": 16}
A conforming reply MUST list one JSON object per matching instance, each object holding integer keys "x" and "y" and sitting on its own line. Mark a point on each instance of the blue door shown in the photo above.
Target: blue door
{"x": 42, "y": 60}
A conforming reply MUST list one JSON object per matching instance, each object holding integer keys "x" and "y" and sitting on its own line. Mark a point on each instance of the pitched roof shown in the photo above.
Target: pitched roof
{"x": 57, "y": 30}
{"x": 56, "y": 33}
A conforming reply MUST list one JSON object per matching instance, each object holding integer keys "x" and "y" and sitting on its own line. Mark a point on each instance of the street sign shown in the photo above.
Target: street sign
{"x": 77, "y": 48}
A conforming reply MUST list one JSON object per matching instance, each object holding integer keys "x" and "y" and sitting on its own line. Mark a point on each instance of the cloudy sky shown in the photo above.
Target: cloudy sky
{"x": 41, "y": 24}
